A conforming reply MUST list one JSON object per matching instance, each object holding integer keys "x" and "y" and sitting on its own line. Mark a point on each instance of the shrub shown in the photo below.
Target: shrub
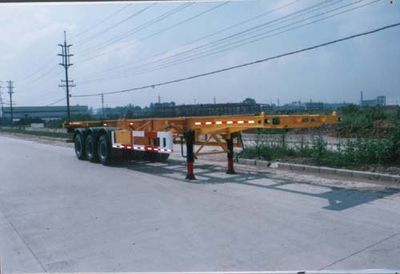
{"x": 354, "y": 153}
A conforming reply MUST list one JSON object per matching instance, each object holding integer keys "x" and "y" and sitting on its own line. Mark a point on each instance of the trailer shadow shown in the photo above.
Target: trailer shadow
{"x": 339, "y": 198}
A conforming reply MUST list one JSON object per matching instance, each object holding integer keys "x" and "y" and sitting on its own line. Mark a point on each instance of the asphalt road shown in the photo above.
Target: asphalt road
{"x": 61, "y": 214}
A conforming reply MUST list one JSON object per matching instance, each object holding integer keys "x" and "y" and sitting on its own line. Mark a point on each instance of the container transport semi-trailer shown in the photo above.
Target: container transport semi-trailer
{"x": 153, "y": 138}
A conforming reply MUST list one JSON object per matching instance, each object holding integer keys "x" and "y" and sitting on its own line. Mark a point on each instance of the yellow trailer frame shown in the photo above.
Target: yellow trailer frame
{"x": 205, "y": 130}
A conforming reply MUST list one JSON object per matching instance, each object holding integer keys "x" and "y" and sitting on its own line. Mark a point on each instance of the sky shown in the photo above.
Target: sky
{"x": 118, "y": 46}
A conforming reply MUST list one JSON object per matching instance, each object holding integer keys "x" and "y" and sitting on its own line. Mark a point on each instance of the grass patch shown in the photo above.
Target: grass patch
{"x": 353, "y": 154}
{"x": 34, "y": 132}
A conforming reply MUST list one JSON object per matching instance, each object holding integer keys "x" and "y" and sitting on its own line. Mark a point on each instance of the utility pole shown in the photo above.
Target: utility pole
{"x": 11, "y": 92}
{"x": 102, "y": 104}
{"x": 66, "y": 64}
{"x": 362, "y": 98}
{"x": 1, "y": 102}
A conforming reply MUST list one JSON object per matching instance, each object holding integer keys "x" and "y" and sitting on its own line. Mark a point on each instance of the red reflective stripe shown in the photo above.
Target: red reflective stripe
{"x": 226, "y": 122}
{"x": 229, "y": 122}
{"x": 151, "y": 134}
{"x": 155, "y": 149}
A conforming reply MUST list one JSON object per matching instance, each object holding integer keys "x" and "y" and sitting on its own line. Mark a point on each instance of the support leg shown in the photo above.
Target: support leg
{"x": 229, "y": 143}
{"x": 189, "y": 138}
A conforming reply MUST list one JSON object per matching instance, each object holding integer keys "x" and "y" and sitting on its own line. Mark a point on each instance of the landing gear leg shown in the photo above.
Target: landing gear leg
{"x": 189, "y": 138}
{"x": 229, "y": 143}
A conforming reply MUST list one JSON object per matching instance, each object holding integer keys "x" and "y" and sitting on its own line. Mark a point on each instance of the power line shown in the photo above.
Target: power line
{"x": 39, "y": 69}
{"x": 45, "y": 74}
{"x": 55, "y": 102}
{"x": 257, "y": 37}
{"x": 185, "y": 20}
{"x": 169, "y": 28}
{"x": 103, "y": 20}
{"x": 88, "y": 39}
{"x": 261, "y": 26}
{"x": 244, "y": 64}
{"x": 244, "y": 41}
{"x": 204, "y": 37}
{"x": 150, "y": 22}
{"x": 45, "y": 64}
{"x": 279, "y": 19}
{"x": 135, "y": 30}
{"x": 162, "y": 31}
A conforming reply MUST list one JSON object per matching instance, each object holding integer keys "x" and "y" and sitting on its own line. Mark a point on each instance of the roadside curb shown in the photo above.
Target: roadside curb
{"x": 325, "y": 170}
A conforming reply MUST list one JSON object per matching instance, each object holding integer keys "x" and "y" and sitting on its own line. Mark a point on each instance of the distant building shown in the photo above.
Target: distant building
{"x": 205, "y": 109}
{"x": 335, "y": 106}
{"x": 162, "y": 105}
{"x": 379, "y": 101}
{"x": 45, "y": 112}
{"x": 294, "y": 106}
{"x": 172, "y": 110}
{"x": 310, "y": 106}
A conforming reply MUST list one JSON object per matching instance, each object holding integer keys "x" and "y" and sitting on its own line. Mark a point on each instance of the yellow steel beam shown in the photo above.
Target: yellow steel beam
{"x": 223, "y": 125}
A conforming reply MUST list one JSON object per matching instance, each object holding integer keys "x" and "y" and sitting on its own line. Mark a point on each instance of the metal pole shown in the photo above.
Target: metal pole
{"x": 1, "y": 102}
{"x": 66, "y": 74}
{"x": 229, "y": 144}
{"x": 189, "y": 139}
{"x": 102, "y": 105}
{"x": 10, "y": 91}
{"x": 66, "y": 64}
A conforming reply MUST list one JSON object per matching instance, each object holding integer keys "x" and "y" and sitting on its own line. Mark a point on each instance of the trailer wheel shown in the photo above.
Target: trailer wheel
{"x": 103, "y": 150}
{"x": 79, "y": 146}
{"x": 91, "y": 151}
{"x": 163, "y": 157}
{"x": 155, "y": 157}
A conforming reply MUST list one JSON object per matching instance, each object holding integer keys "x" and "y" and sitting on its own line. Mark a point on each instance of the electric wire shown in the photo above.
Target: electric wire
{"x": 95, "y": 35}
{"x": 113, "y": 14}
{"x": 55, "y": 102}
{"x": 280, "y": 19}
{"x": 241, "y": 42}
{"x": 273, "y": 22}
{"x": 244, "y": 64}
{"x": 145, "y": 25}
{"x": 258, "y": 37}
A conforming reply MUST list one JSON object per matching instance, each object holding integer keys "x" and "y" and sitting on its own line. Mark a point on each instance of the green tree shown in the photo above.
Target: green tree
{"x": 249, "y": 101}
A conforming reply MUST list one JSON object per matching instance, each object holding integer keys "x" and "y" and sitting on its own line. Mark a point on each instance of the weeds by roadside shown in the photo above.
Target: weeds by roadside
{"x": 352, "y": 154}
{"x": 34, "y": 132}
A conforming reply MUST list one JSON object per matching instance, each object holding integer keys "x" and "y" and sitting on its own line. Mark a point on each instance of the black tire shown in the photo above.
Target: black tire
{"x": 91, "y": 149}
{"x": 104, "y": 150}
{"x": 155, "y": 157}
{"x": 150, "y": 156}
{"x": 163, "y": 157}
{"x": 79, "y": 147}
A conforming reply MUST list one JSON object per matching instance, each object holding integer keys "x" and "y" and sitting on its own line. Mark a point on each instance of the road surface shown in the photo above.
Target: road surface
{"x": 61, "y": 214}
